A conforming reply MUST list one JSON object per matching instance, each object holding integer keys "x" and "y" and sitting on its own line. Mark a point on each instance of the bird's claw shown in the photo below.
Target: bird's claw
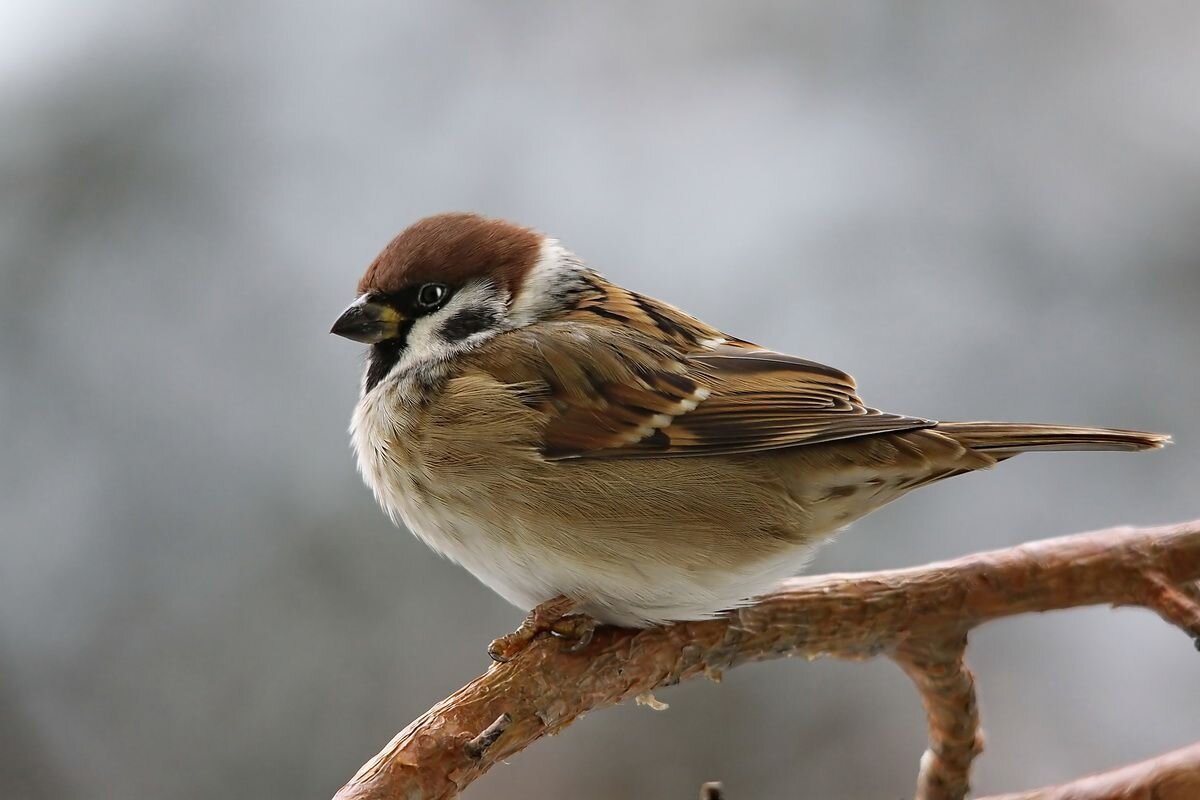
{"x": 507, "y": 647}
{"x": 553, "y": 617}
{"x": 576, "y": 632}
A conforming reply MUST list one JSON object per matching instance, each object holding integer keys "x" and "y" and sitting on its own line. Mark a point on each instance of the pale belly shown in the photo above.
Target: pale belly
{"x": 636, "y": 592}
{"x": 678, "y": 540}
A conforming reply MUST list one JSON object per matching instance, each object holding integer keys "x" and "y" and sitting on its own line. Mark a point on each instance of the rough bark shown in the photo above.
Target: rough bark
{"x": 918, "y": 617}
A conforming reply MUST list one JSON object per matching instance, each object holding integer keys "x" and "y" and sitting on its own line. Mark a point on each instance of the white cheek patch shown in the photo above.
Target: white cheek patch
{"x": 544, "y": 288}
{"x": 474, "y": 314}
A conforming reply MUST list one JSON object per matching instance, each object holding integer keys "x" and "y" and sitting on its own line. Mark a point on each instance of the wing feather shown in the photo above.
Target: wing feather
{"x": 665, "y": 385}
{"x": 649, "y": 403}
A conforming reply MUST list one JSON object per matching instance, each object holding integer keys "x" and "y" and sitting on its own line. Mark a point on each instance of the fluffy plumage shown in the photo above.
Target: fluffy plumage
{"x": 557, "y": 434}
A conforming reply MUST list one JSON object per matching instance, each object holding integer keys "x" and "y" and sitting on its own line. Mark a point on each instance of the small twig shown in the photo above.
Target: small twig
{"x": 948, "y": 693}
{"x": 477, "y": 746}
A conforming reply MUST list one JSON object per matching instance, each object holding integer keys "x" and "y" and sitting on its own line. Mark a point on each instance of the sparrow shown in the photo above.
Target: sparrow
{"x": 600, "y": 456}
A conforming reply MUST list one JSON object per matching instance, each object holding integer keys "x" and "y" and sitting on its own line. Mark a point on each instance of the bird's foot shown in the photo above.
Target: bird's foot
{"x": 554, "y": 617}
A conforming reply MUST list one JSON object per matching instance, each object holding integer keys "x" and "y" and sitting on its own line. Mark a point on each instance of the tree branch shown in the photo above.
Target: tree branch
{"x": 1173, "y": 776}
{"x": 919, "y": 617}
{"x": 947, "y": 690}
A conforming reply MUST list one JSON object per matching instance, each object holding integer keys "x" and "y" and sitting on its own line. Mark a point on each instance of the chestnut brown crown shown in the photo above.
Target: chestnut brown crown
{"x": 454, "y": 249}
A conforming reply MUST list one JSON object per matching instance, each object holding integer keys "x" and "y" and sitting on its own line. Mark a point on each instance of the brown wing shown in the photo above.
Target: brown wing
{"x": 626, "y": 391}
{"x": 762, "y": 400}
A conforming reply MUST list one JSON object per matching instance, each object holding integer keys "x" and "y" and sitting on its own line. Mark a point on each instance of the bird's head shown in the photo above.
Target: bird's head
{"x": 450, "y": 282}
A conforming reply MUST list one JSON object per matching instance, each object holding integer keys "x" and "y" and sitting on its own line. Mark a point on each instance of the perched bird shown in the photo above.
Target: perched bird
{"x": 578, "y": 445}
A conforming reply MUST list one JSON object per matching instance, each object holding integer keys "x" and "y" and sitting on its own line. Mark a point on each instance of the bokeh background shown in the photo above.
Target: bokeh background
{"x": 983, "y": 210}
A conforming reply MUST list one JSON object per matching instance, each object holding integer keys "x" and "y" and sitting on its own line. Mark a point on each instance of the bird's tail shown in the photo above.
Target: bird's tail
{"x": 1004, "y": 439}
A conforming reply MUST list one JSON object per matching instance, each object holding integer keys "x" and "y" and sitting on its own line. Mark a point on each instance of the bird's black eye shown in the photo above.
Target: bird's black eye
{"x": 431, "y": 295}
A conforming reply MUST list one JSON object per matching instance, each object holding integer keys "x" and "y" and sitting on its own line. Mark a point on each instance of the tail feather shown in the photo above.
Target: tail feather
{"x": 1003, "y": 439}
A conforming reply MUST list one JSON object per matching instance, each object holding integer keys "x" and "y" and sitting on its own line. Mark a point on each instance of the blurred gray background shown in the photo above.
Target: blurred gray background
{"x": 981, "y": 210}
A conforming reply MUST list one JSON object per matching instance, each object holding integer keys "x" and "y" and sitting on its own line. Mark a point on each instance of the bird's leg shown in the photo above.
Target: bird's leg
{"x": 554, "y": 617}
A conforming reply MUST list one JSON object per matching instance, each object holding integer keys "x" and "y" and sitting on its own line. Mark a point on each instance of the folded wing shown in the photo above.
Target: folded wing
{"x": 612, "y": 392}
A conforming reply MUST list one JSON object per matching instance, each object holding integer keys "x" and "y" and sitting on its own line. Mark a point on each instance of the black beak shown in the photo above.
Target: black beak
{"x": 368, "y": 322}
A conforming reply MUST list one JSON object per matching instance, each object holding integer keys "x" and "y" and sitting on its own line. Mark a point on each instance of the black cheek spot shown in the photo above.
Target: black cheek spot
{"x": 467, "y": 322}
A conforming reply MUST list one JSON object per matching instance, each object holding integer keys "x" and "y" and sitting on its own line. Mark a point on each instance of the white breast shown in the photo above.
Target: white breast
{"x": 517, "y": 556}
{"x": 396, "y": 473}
